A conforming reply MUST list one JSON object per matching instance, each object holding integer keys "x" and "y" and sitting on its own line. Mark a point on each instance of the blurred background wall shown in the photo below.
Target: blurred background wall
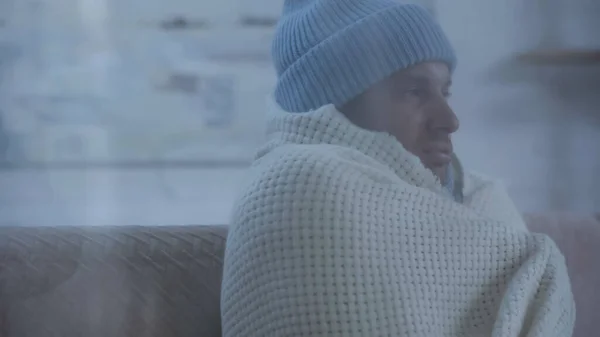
{"x": 537, "y": 126}
{"x": 105, "y": 81}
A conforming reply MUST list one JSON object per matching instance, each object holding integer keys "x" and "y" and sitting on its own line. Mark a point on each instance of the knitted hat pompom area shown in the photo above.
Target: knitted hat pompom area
{"x": 330, "y": 51}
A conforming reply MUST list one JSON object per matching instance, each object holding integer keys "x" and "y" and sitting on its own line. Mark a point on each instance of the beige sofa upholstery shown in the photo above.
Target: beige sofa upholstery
{"x": 165, "y": 281}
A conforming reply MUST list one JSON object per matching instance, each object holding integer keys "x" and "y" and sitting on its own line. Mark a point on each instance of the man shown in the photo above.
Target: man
{"x": 357, "y": 220}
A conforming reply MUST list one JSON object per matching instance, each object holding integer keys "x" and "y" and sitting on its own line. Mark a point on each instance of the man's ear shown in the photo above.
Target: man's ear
{"x": 354, "y": 111}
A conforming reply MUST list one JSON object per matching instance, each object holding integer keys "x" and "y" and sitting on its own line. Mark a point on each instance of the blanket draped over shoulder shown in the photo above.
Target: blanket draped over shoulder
{"x": 339, "y": 231}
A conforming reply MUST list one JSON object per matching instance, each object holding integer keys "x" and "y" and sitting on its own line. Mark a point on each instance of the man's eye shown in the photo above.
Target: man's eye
{"x": 415, "y": 92}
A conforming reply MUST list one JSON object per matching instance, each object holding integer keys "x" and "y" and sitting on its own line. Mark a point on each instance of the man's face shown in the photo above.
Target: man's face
{"x": 412, "y": 105}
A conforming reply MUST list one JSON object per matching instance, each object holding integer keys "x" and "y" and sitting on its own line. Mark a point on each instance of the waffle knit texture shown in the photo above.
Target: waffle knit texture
{"x": 330, "y": 51}
{"x": 340, "y": 232}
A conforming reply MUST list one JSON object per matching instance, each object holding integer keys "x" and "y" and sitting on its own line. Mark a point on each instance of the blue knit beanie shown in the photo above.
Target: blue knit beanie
{"x": 330, "y": 51}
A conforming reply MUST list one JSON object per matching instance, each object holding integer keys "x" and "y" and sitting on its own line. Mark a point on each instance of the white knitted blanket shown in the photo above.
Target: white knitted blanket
{"x": 341, "y": 232}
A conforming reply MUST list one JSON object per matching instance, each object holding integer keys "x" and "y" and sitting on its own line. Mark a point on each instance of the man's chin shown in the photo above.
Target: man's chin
{"x": 439, "y": 166}
{"x": 441, "y": 172}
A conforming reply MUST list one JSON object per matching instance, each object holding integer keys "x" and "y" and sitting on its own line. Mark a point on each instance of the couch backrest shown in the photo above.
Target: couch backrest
{"x": 111, "y": 281}
{"x": 578, "y": 237}
{"x": 165, "y": 281}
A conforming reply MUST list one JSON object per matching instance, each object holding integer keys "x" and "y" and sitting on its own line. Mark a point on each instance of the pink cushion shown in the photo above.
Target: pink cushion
{"x": 578, "y": 237}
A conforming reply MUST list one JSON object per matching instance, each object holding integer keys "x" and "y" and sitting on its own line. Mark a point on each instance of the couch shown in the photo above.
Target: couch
{"x": 165, "y": 281}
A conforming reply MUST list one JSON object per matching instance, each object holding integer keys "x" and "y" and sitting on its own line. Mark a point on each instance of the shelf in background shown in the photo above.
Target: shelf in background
{"x": 561, "y": 57}
{"x": 125, "y": 165}
{"x": 571, "y": 67}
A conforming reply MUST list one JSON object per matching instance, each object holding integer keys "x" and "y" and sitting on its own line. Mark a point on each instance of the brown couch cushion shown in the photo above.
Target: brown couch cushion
{"x": 578, "y": 237}
{"x": 111, "y": 281}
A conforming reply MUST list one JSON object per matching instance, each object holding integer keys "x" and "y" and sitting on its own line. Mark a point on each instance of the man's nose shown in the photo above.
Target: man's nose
{"x": 443, "y": 118}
